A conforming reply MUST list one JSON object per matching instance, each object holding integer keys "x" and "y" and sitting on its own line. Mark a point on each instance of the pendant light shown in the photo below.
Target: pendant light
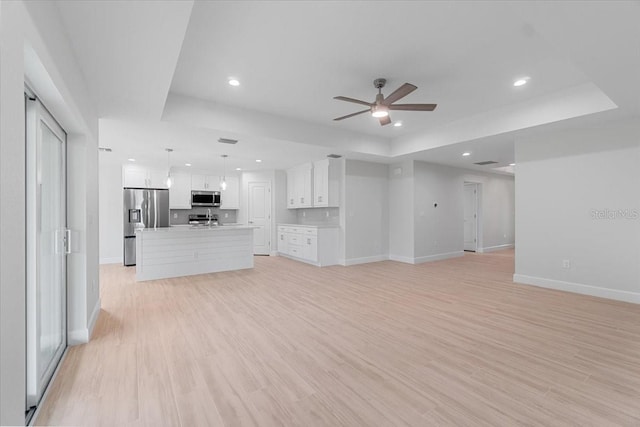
{"x": 223, "y": 181}
{"x": 169, "y": 181}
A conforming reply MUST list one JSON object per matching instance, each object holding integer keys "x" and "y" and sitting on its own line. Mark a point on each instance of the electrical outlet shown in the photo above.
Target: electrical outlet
{"x": 304, "y": 214}
{"x": 175, "y": 215}
{"x": 566, "y": 263}
{"x": 326, "y": 213}
{"x": 226, "y": 215}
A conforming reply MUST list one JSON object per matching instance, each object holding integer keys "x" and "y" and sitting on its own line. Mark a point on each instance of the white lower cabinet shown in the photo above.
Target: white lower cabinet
{"x": 314, "y": 245}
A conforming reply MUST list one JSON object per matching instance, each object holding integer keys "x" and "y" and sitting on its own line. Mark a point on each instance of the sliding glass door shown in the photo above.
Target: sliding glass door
{"x": 47, "y": 246}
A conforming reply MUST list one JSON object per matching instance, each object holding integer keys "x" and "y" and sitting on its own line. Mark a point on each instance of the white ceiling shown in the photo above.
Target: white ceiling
{"x": 158, "y": 72}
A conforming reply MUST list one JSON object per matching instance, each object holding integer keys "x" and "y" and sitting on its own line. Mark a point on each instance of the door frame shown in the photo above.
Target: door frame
{"x": 476, "y": 186}
{"x": 35, "y": 112}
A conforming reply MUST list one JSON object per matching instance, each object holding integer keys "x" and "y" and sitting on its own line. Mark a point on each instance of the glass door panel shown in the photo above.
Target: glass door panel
{"x": 46, "y": 249}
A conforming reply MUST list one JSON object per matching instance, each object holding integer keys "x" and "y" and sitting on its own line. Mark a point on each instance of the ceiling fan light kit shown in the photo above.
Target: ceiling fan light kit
{"x": 379, "y": 111}
{"x": 381, "y": 106}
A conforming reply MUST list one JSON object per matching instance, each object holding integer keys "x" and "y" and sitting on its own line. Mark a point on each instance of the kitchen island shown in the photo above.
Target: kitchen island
{"x": 187, "y": 250}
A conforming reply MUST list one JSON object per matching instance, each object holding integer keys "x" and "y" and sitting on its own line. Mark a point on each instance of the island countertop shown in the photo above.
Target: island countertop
{"x": 189, "y": 227}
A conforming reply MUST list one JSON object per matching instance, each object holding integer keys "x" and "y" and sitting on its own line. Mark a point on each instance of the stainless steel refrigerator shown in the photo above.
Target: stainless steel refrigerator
{"x": 143, "y": 208}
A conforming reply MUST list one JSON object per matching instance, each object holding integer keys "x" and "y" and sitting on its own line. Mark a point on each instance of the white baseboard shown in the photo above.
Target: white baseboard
{"x": 113, "y": 260}
{"x": 365, "y": 260}
{"x": 428, "y": 258}
{"x": 94, "y": 317}
{"x": 82, "y": 336}
{"x": 496, "y": 248}
{"x": 578, "y": 288}
{"x": 399, "y": 258}
{"x": 438, "y": 257}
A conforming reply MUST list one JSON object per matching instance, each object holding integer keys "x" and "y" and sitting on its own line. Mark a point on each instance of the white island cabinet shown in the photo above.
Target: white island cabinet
{"x": 187, "y": 250}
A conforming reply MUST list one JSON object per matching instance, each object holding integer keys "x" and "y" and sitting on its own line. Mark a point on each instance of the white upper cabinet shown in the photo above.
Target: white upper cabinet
{"x": 230, "y": 198}
{"x": 180, "y": 191}
{"x": 157, "y": 178}
{"x": 326, "y": 183}
{"x": 205, "y": 182}
{"x": 134, "y": 177}
{"x": 305, "y": 179}
{"x": 300, "y": 186}
{"x": 142, "y": 177}
{"x": 314, "y": 184}
{"x": 291, "y": 189}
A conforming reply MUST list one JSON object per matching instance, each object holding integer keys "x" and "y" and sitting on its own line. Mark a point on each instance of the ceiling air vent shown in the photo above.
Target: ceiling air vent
{"x": 488, "y": 162}
{"x": 106, "y": 149}
{"x": 227, "y": 141}
{"x": 334, "y": 156}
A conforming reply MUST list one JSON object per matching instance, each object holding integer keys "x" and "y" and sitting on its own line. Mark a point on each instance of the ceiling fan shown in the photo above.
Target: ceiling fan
{"x": 381, "y": 106}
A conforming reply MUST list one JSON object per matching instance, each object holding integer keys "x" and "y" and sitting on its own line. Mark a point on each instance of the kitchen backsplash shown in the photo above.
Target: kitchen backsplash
{"x": 319, "y": 216}
{"x": 181, "y": 216}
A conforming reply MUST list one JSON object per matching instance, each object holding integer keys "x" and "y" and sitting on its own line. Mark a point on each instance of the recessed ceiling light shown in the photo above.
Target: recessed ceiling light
{"x": 521, "y": 82}
{"x": 234, "y": 82}
{"x": 466, "y": 154}
{"x": 397, "y": 124}
{"x": 238, "y": 169}
{"x": 132, "y": 160}
{"x": 512, "y": 164}
{"x": 187, "y": 164}
{"x": 258, "y": 161}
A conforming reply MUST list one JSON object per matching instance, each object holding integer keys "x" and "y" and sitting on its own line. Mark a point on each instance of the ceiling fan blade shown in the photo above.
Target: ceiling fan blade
{"x": 401, "y": 92}
{"x": 384, "y": 120}
{"x": 352, "y": 114}
{"x": 356, "y": 101}
{"x": 413, "y": 107}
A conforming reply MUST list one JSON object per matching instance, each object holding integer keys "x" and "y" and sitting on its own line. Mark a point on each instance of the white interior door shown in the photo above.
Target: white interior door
{"x": 47, "y": 246}
{"x": 260, "y": 216}
{"x": 470, "y": 217}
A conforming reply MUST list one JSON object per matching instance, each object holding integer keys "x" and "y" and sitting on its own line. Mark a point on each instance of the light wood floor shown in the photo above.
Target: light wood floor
{"x": 386, "y": 344}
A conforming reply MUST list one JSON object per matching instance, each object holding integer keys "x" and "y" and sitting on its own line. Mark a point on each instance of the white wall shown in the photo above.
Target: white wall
{"x": 12, "y": 216}
{"x": 438, "y": 230}
{"x": 33, "y": 47}
{"x": 561, "y": 180}
{"x": 83, "y": 302}
{"x": 366, "y": 227}
{"x": 401, "y": 212}
{"x": 111, "y": 245}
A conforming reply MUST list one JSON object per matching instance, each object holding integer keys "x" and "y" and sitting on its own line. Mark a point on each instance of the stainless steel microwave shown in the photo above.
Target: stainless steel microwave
{"x": 205, "y": 198}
